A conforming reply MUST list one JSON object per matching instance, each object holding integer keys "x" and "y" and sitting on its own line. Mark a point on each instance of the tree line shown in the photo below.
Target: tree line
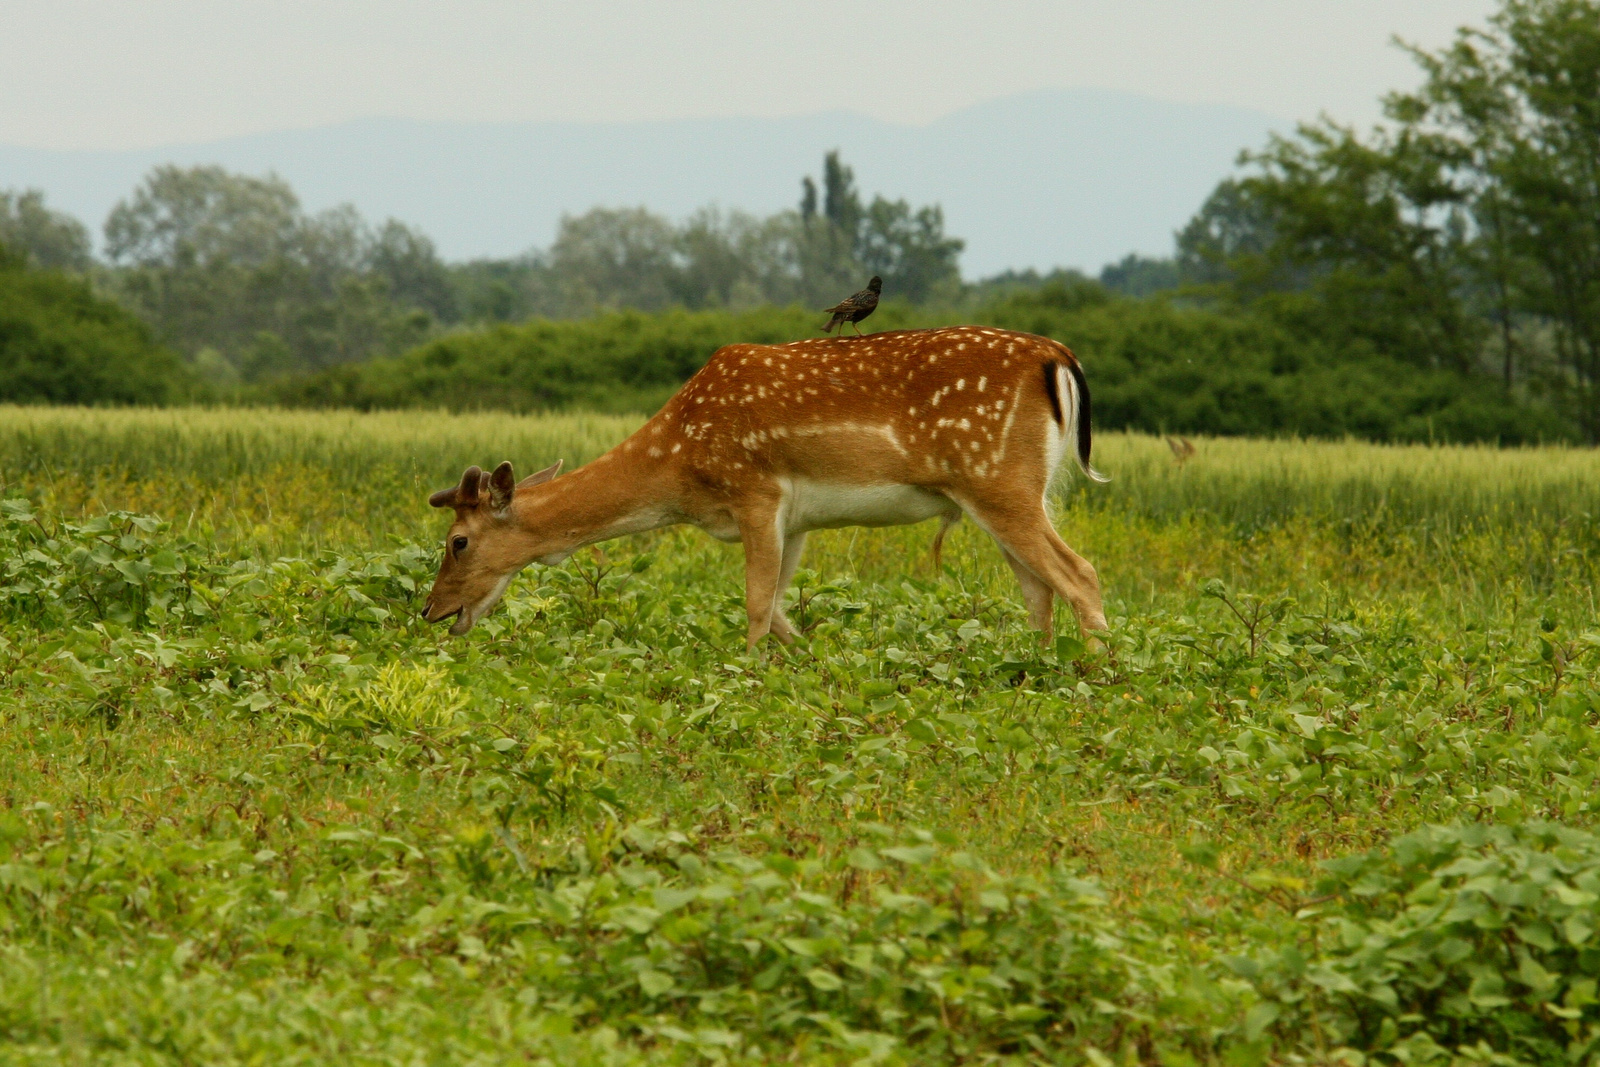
{"x": 230, "y": 271}
{"x": 1462, "y": 234}
{"x": 1457, "y": 244}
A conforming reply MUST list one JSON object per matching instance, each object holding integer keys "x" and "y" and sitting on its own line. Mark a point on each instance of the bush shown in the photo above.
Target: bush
{"x": 1152, "y": 364}
{"x": 61, "y": 344}
{"x": 1160, "y": 367}
{"x": 1458, "y": 943}
{"x": 618, "y": 361}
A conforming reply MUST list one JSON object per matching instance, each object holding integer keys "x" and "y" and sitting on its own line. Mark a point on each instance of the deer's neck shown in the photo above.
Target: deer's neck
{"x": 607, "y": 498}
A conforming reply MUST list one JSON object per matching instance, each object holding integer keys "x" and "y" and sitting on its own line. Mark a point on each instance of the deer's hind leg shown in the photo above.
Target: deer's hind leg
{"x": 793, "y": 546}
{"x": 763, "y": 539}
{"x": 1035, "y": 593}
{"x": 945, "y": 522}
{"x": 1027, "y": 538}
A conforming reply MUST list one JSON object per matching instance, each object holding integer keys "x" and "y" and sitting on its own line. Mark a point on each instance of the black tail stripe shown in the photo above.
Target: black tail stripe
{"x": 1084, "y": 435}
{"x": 1051, "y": 390}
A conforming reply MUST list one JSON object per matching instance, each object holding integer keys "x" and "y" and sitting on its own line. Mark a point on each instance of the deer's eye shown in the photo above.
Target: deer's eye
{"x": 458, "y": 545}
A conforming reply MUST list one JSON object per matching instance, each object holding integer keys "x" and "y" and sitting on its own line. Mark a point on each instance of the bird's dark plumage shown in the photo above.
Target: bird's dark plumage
{"x": 853, "y": 309}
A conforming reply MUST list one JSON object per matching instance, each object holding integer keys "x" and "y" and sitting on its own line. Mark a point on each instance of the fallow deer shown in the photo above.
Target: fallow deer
{"x": 768, "y": 442}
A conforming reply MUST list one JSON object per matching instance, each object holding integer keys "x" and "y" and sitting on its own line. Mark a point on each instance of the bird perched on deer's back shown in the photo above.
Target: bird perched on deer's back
{"x": 853, "y": 309}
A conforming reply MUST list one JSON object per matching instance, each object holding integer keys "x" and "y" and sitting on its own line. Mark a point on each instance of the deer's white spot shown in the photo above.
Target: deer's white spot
{"x": 654, "y": 452}
{"x": 982, "y": 382}
{"x": 961, "y": 383}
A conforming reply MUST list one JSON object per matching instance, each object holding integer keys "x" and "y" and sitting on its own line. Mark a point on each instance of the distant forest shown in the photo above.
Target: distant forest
{"x": 1435, "y": 277}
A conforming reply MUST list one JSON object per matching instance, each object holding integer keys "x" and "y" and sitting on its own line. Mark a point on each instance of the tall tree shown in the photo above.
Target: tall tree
{"x": 203, "y": 216}
{"x": 231, "y": 271}
{"x": 1516, "y": 110}
{"x": 1464, "y": 233}
{"x": 406, "y": 257}
{"x": 910, "y": 250}
{"x": 44, "y": 238}
{"x": 841, "y": 204}
{"x": 614, "y": 258}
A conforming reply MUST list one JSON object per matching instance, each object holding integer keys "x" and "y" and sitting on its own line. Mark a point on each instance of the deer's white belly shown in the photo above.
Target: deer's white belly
{"x": 810, "y": 505}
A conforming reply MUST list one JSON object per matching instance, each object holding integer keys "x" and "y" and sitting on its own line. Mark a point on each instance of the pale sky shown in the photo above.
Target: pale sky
{"x": 119, "y": 74}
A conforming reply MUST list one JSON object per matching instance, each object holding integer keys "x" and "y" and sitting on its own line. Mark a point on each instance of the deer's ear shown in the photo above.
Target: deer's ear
{"x": 464, "y": 495}
{"x": 502, "y": 483}
{"x": 540, "y": 477}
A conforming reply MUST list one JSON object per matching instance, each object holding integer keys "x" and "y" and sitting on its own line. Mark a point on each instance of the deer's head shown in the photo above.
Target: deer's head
{"x": 485, "y": 547}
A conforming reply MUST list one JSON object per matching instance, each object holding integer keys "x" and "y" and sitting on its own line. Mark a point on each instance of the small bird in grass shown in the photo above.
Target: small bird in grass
{"x": 853, "y": 309}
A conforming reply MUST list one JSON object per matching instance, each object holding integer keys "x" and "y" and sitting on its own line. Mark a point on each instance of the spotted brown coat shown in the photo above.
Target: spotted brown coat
{"x": 768, "y": 442}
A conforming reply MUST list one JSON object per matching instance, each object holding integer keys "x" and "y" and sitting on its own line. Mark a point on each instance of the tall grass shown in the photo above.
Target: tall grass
{"x": 1267, "y": 513}
{"x": 372, "y": 471}
{"x": 1251, "y": 484}
{"x": 284, "y": 481}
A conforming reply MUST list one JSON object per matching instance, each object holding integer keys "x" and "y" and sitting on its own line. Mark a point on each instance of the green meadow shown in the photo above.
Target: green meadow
{"x": 1329, "y": 792}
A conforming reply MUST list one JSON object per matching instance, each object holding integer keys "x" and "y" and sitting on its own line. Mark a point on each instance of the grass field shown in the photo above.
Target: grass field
{"x": 1328, "y": 794}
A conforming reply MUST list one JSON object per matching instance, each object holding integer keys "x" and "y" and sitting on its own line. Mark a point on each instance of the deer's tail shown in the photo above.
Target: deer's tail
{"x": 1064, "y": 380}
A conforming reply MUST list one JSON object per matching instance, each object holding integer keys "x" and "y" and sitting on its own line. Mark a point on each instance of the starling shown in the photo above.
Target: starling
{"x": 853, "y": 309}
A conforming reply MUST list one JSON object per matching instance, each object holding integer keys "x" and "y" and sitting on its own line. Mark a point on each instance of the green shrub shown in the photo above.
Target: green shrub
{"x": 1457, "y": 943}
{"x": 1152, "y": 365}
{"x": 618, "y": 361}
{"x": 1160, "y": 367}
{"x": 61, "y": 344}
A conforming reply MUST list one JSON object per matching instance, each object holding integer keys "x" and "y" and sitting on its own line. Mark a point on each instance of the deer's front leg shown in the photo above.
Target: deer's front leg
{"x": 763, "y": 566}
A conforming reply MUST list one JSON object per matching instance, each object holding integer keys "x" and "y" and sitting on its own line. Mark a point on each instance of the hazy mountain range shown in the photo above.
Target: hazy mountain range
{"x": 1058, "y": 178}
